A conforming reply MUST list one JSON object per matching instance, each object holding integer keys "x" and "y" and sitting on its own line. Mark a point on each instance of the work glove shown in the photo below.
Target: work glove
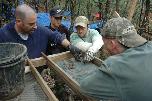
{"x": 76, "y": 52}
{"x": 88, "y": 56}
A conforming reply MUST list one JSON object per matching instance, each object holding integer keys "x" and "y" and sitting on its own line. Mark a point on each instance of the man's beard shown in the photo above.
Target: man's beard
{"x": 28, "y": 32}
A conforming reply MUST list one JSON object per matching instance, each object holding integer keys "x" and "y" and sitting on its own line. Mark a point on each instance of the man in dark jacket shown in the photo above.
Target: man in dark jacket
{"x": 56, "y": 14}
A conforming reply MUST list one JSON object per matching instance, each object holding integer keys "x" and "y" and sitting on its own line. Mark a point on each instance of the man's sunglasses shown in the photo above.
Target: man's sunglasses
{"x": 58, "y": 18}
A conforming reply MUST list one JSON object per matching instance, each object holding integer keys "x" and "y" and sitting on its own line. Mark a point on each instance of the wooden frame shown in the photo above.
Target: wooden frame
{"x": 42, "y": 83}
{"x": 50, "y": 61}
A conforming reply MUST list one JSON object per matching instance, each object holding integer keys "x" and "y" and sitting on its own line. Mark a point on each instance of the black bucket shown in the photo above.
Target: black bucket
{"x": 12, "y": 63}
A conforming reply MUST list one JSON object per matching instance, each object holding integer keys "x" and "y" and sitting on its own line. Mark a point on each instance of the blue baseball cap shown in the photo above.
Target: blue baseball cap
{"x": 56, "y": 11}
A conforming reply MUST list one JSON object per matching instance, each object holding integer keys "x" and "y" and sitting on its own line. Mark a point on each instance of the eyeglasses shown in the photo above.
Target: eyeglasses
{"x": 58, "y": 18}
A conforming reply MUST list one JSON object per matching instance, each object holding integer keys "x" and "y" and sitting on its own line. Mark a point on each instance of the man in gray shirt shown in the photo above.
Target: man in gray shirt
{"x": 126, "y": 74}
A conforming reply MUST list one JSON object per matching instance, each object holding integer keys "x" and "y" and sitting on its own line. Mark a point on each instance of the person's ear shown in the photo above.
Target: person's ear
{"x": 18, "y": 21}
{"x": 113, "y": 44}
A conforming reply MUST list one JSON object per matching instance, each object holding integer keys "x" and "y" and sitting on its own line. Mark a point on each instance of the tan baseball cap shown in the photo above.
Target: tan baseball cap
{"x": 124, "y": 31}
{"x": 81, "y": 21}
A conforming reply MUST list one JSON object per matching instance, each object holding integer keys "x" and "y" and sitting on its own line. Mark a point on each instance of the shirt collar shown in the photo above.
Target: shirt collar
{"x": 23, "y": 36}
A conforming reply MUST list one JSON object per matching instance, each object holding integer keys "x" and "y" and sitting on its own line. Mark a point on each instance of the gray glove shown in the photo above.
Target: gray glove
{"x": 76, "y": 52}
{"x": 88, "y": 56}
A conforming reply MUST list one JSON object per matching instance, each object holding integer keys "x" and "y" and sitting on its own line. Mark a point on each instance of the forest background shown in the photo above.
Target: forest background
{"x": 138, "y": 11}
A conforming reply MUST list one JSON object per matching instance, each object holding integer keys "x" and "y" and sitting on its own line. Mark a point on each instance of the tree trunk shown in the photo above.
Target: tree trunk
{"x": 131, "y": 10}
{"x": 46, "y": 5}
{"x": 73, "y": 12}
{"x": 107, "y": 9}
{"x": 117, "y": 6}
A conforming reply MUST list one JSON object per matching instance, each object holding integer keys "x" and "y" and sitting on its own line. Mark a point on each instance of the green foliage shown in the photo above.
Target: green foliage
{"x": 100, "y": 1}
{"x": 87, "y": 8}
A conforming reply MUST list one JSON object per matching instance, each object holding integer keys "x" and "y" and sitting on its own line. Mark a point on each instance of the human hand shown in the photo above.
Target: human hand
{"x": 76, "y": 52}
{"x": 88, "y": 56}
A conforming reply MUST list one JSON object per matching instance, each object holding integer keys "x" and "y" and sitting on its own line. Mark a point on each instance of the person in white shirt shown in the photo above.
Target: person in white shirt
{"x": 86, "y": 39}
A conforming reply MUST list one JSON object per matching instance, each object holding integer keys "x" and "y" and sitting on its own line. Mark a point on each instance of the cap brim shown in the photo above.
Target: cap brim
{"x": 57, "y": 15}
{"x": 81, "y": 24}
{"x": 132, "y": 40}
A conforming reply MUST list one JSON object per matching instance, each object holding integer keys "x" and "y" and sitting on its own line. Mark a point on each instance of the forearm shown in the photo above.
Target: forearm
{"x": 84, "y": 46}
{"x": 96, "y": 45}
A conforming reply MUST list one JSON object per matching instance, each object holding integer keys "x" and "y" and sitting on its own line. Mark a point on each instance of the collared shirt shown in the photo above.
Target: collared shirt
{"x": 23, "y": 36}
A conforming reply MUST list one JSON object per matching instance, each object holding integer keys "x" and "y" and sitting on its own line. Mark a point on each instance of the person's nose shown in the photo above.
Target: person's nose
{"x": 79, "y": 31}
{"x": 35, "y": 26}
{"x": 59, "y": 21}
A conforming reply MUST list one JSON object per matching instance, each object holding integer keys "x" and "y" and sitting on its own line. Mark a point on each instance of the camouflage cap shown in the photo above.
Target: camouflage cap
{"x": 81, "y": 21}
{"x": 124, "y": 31}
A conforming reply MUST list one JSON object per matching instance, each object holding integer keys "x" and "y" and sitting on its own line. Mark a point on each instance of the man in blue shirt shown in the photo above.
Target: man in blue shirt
{"x": 56, "y": 14}
{"x": 24, "y": 30}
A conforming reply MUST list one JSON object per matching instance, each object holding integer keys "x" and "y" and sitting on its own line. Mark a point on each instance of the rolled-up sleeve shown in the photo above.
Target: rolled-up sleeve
{"x": 97, "y": 41}
{"x": 79, "y": 43}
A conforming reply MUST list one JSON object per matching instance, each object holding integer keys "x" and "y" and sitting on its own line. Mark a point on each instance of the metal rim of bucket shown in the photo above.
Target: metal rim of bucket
{"x": 16, "y": 58}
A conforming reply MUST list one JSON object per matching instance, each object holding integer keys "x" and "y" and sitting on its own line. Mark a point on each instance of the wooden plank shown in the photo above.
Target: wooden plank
{"x": 37, "y": 62}
{"x": 116, "y": 14}
{"x": 61, "y": 56}
{"x": 67, "y": 79}
{"x": 42, "y": 83}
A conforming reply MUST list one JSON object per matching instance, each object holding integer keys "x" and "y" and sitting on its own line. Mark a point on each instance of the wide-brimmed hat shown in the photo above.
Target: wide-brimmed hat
{"x": 124, "y": 31}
